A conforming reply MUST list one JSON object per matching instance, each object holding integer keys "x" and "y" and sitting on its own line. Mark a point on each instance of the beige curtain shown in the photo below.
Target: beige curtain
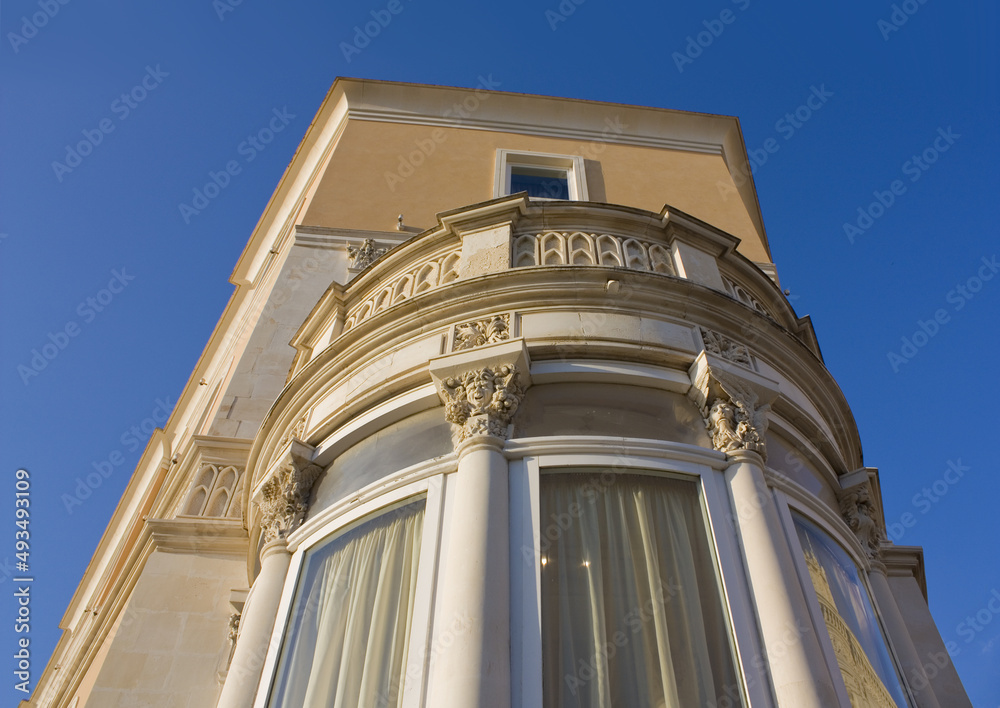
{"x": 631, "y": 606}
{"x": 350, "y": 620}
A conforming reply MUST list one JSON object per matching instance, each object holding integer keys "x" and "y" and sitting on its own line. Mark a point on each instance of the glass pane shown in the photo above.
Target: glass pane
{"x": 349, "y": 625}
{"x": 539, "y": 182}
{"x": 858, "y": 642}
{"x": 631, "y": 605}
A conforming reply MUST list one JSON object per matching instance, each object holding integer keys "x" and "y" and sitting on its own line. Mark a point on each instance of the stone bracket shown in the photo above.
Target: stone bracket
{"x": 860, "y": 500}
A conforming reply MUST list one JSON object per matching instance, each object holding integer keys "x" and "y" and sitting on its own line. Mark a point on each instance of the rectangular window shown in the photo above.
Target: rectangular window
{"x": 541, "y": 175}
{"x": 349, "y": 625}
{"x": 861, "y": 650}
{"x": 632, "y": 611}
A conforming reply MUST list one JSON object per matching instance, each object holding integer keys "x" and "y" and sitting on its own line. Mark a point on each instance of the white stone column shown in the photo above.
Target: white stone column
{"x": 470, "y": 644}
{"x": 899, "y": 635}
{"x": 799, "y": 673}
{"x": 283, "y": 501}
{"x": 256, "y": 626}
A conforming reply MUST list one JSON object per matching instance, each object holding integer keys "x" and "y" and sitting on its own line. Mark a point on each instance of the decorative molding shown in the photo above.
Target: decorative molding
{"x": 216, "y": 492}
{"x": 861, "y": 514}
{"x": 728, "y": 349}
{"x": 297, "y": 431}
{"x": 738, "y": 292}
{"x": 476, "y": 334}
{"x": 482, "y": 388}
{"x": 734, "y": 403}
{"x": 234, "y": 627}
{"x": 426, "y": 276}
{"x": 283, "y": 496}
{"x": 482, "y": 401}
{"x": 364, "y": 255}
{"x": 578, "y": 248}
{"x": 199, "y": 535}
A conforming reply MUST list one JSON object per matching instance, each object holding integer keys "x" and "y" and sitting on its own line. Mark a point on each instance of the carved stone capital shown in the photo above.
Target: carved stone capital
{"x": 734, "y": 403}
{"x": 482, "y": 389}
{"x": 861, "y": 510}
{"x": 283, "y": 497}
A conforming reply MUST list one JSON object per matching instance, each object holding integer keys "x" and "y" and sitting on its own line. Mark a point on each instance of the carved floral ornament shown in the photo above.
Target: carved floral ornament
{"x": 861, "y": 514}
{"x": 487, "y": 331}
{"x": 284, "y": 498}
{"x": 726, "y": 348}
{"x": 482, "y": 401}
{"x": 364, "y": 255}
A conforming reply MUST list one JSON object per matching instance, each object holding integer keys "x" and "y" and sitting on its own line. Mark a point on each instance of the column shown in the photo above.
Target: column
{"x": 470, "y": 658}
{"x": 798, "y": 670}
{"x": 283, "y": 501}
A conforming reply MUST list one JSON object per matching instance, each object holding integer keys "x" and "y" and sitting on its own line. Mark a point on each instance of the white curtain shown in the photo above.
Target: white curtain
{"x": 349, "y": 627}
{"x": 631, "y": 607}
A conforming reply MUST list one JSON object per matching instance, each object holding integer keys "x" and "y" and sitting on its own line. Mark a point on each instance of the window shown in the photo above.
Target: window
{"x": 860, "y": 647}
{"x": 349, "y": 626}
{"x": 632, "y": 611}
{"x": 541, "y": 175}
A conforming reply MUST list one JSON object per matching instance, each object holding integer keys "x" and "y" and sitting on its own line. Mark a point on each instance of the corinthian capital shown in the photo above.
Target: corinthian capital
{"x": 283, "y": 498}
{"x": 482, "y": 388}
{"x": 734, "y": 403}
{"x": 482, "y": 401}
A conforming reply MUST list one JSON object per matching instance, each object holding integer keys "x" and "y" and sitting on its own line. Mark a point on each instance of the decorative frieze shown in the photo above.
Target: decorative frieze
{"x": 364, "y": 255}
{"x": 482, "y": 401}
{"x": 738, "y": 292}
{"x": 579, "y": 248}
{"x": 284, "y": 497}
{"x": 726, "y": 348}
{"x": 426, "y": 276}
{"x": 481, "y": 332}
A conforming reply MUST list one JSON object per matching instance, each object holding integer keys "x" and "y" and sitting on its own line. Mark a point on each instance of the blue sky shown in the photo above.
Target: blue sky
{"x": 874, "y": 115}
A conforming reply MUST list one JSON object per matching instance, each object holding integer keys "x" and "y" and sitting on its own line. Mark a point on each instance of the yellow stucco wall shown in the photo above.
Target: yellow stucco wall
{"x": 378, "y": 170}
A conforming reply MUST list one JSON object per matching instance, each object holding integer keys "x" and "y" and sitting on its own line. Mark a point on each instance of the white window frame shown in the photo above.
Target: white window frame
{"x": 576, "y": 177}
{"x": 526, "y": 644}
{"x": 787, "y": 505}
{"x": 430, "y": 489}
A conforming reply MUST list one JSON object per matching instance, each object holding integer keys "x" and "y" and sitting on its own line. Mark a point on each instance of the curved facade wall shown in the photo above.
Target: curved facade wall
{"x": 538, "y": 453}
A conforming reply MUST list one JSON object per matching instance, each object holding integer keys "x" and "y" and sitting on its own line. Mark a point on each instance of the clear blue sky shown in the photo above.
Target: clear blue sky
{"x": 199, "y": 77}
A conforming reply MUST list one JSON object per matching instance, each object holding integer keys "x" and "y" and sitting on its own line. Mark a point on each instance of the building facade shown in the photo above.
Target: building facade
{"x": 485, "y": 423}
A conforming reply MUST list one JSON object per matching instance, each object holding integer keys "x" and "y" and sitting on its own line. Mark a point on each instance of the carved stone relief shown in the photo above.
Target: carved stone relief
{"x": 733, "y": 413}
{"x": 862, "y": 516}
{"x": 364, "y": 255}
{"x": 284, "y": 498}
{"x": 488, "y": 331}
{"x": 296, "y": 431}
{"x": 482, "y": 401}
{"x": 726, "y": 348}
